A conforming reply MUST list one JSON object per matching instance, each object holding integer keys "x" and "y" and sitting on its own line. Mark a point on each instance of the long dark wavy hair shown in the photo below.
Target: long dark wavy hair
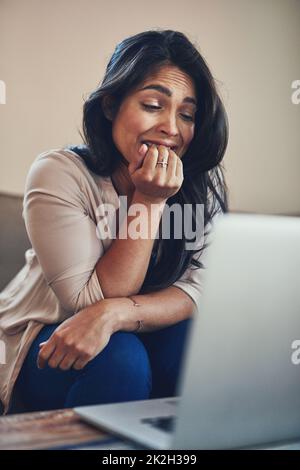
{"x": 132, "y": 61}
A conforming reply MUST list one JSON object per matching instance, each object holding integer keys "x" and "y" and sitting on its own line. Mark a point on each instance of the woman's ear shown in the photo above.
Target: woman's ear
{"x": 108, "y": 107}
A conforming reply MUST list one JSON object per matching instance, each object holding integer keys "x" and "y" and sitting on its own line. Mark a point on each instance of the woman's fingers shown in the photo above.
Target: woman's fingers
{"x": 45, "y": 352}
{"x": 67, "y": 362}
{"x": 80, "y": 363}
{"x": 55, "y": 359}
{"x": 138, "y": 162}
{"x": 179, "y": 169}
{"x": 155, "y": 180}
{"x": 150, "y": 160}
{"x": 172, "y": 164}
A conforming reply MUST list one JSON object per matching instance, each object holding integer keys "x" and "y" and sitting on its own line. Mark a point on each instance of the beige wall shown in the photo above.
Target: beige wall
{"x": 53, "y": 53}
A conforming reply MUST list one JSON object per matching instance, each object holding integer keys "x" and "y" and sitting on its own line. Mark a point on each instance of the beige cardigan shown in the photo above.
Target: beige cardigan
{"x": 59, "y": 277}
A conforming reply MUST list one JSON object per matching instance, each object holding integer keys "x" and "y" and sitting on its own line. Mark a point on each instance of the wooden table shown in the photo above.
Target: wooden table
{"x": 63, "y": 429}
{"x": 52, "y": 430}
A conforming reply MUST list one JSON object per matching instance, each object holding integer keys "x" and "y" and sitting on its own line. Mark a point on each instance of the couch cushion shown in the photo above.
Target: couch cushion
{"x": 13, "y": 238}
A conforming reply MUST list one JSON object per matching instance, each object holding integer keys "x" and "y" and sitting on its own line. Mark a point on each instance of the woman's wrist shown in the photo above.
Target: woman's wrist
{"x": 122, "y": 314}
{"x": 140, "y": 198}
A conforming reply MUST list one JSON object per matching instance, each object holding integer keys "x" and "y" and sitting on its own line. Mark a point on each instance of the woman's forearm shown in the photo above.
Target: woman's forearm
{"x": 122, "y": 269}
{"x": 82, "y": 336}
{"x": 156, "y": 310}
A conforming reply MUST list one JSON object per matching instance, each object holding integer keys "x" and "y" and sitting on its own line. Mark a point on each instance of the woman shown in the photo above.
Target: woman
{"x": 94, "y": 319}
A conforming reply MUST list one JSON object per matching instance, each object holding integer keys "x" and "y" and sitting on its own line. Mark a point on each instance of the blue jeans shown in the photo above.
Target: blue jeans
{"x": 131, "y": 367}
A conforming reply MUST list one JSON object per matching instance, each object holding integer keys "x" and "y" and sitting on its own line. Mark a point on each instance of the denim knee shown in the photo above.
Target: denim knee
{"x": 121, "y": 372}
{"x": 166, "y": 349}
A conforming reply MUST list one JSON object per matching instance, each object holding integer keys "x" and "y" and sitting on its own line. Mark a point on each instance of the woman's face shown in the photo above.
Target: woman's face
{"x": 165, "y": 116}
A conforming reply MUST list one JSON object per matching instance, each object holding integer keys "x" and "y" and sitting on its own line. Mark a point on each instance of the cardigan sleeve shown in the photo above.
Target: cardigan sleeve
{"x": 61, "y": 231}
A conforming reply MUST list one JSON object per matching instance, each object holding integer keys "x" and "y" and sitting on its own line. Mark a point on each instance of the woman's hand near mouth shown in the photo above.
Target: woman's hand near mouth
{"x": 153, "y": 184}
{"x": 156, "y": 183}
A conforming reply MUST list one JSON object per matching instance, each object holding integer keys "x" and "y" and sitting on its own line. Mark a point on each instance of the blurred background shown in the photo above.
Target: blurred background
{"x": 54, "y": 52}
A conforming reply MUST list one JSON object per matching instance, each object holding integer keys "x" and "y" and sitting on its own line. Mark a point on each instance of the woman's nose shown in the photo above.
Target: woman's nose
{"x": 168, "y": 124}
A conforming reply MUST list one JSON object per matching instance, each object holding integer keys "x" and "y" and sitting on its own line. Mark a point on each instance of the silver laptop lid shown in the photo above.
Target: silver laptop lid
{"x": 240, "y": 386}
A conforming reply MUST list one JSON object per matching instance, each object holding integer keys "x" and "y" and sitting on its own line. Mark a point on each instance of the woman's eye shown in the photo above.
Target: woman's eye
{"x": 150, "y": 106}
{"x": 185, "y": 116}
{"x": 189, "y": 118}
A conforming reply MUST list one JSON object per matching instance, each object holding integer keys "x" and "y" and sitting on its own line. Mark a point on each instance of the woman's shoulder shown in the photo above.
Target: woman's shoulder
{"x": 56, "y": 170}
{"x": 59, "y": 157}
{"x": 64, "y": 171}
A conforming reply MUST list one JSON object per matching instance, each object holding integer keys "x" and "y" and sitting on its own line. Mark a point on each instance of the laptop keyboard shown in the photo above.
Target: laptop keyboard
{"x": 164, "y": 423}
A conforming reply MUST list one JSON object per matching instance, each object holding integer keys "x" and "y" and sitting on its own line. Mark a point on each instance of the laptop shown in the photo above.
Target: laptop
{"x": 240, "y": 380}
